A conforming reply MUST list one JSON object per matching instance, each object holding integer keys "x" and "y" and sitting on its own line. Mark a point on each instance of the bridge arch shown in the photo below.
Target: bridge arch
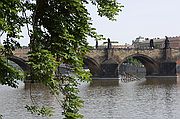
{"x": 21, "y": 62}
{"x": 92, "y": 65}
{"x": 151, "y": 66}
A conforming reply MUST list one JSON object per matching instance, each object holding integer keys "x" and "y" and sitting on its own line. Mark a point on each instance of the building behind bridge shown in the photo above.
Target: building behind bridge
{"x": 144, "y": 43}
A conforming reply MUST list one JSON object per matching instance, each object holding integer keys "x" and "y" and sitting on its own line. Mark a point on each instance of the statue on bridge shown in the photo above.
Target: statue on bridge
{"x": 166, "y": 43}
{"x": 109, "y": 44}
{"x": 151, "y": 44}
{"x": 96, "y": 44}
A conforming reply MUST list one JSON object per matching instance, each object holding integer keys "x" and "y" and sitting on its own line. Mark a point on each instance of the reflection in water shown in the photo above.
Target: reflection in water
{"x": 105, "y": 82}
{"x": 162, "y": 96}
{"x": 161, "y": 80}
{"x": 107, "y": 99}
{"x": 144, "y": 99}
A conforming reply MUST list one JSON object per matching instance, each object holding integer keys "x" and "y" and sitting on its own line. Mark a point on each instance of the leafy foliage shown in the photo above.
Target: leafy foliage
{"x": 108, "y": 8}
{"x": 8, "y": 74}
{"x": 134, "y": 61}
{"x": 43, "y": 111}
{"x": 58, "y": 36}
{"x": 10, "y": 24}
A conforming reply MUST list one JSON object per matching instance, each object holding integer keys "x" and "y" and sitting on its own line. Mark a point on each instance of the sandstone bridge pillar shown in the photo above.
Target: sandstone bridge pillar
{"x": 167, "y": 65}
{"x": 110, "y": 69}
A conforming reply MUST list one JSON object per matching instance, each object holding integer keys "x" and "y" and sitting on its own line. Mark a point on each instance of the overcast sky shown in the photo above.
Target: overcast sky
{"x": 146, "y": 18}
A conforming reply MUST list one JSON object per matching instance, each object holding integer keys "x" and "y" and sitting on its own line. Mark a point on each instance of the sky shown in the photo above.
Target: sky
{"x": 146, "y": 18}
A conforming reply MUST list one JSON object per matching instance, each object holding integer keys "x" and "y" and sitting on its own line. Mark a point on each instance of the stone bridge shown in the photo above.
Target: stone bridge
{"x": 106, "y": 62}
{"x": 20, "y": 57}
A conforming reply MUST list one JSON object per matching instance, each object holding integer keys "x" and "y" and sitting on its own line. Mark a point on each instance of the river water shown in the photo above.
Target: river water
{"x": 139, "y": 99}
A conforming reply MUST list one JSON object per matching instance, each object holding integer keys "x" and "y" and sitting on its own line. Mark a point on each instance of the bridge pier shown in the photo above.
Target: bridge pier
{"x": 109, "y": 70}
{"x": 167, "y": 68}
{"x": 103, "y": 62}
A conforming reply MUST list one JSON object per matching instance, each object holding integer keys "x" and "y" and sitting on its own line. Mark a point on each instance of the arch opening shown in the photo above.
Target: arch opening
{"x": 19, "y": 63}
{"x": 91, "y": 65}
{"x": 16, "y": 66}
{"x": 139, "y": 65}
{"x": 8, "y": 72}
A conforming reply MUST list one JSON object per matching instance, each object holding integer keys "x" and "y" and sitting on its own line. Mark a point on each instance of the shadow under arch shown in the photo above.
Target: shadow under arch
{"x": 21, "y": 62}
{"x": 151, "y": 66}
{"x": 92, "y": 65}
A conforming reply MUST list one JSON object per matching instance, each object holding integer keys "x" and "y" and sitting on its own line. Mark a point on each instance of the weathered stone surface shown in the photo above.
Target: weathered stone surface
{"x": 109, "y": 68}
{"x": 167, "y": 69}
{"x": 104, "y": 62}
